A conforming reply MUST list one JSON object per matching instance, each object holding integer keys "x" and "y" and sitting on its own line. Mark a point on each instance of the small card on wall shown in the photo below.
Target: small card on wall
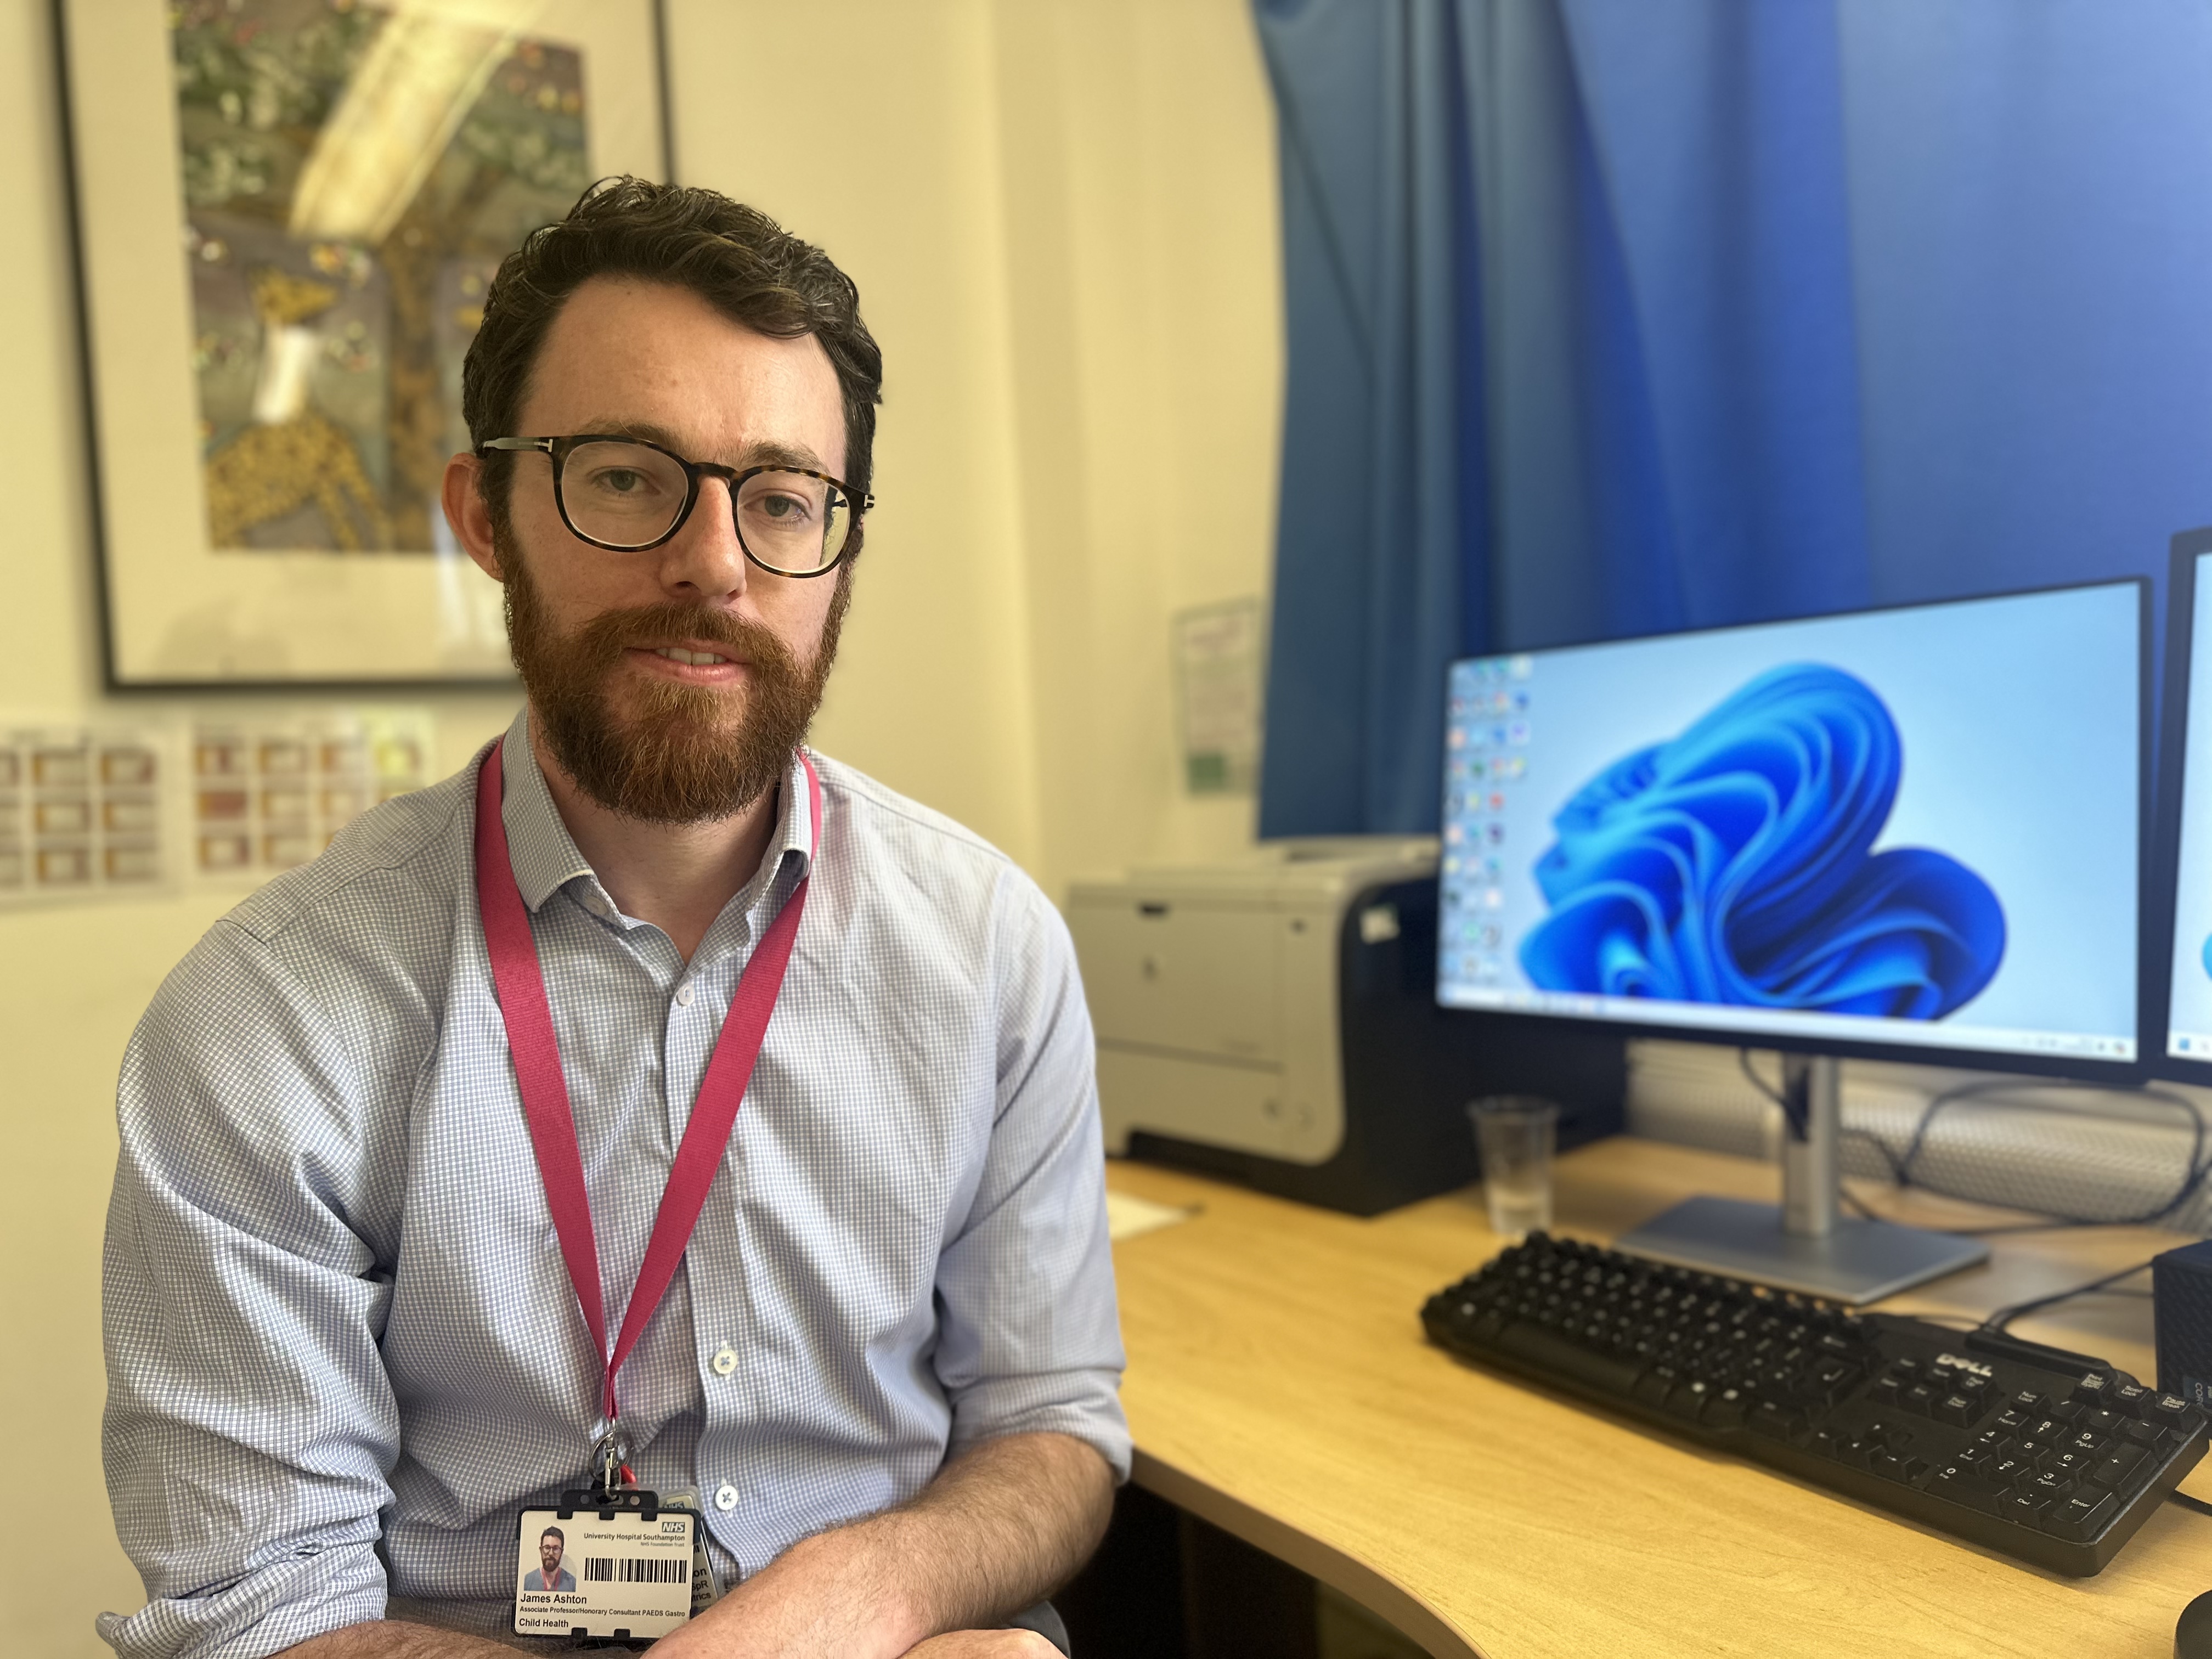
{"x": 269, "y": 794}
{"x": 621, "y": 1573}
{"x": 1220, "y": 661}
{"x": 86, "y": 811}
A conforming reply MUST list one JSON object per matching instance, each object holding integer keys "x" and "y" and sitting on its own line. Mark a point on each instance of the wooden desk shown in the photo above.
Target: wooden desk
{"x": 1280, "y": 1387}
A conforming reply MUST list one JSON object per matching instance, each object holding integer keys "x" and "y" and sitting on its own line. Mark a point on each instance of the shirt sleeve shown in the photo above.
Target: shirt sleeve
{"x": 250, "y": 1425}
{"x": 1029, "y": 1340}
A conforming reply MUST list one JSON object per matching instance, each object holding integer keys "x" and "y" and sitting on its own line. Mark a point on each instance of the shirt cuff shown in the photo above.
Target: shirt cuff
{"x": 265, "y": 1612}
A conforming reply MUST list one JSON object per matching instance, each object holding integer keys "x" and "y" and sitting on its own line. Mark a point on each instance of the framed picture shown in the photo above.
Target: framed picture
{"x": 288, "y": 212}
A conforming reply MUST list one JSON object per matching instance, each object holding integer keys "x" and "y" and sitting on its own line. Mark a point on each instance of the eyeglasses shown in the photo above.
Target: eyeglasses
{"x": 626, "y": 496}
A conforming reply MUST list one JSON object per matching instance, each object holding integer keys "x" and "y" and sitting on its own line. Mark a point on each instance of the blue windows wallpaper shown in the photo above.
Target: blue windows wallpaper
{"x": 1734, "y": 864}
{"x": 1916, "y": 826}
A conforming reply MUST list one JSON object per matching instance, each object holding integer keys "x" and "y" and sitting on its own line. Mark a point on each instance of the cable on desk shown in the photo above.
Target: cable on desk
{"x": 1901, "y": 1166}
{"x": 2188, "y": 1503}
{"x": 2003, "y": 1316}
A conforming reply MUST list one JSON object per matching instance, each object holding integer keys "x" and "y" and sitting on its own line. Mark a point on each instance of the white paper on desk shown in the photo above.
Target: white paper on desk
{"x": 1127, "y": 1216}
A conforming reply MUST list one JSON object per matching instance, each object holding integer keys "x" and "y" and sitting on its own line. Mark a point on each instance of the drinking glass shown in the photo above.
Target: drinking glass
{"x": 1515, "y": 1134}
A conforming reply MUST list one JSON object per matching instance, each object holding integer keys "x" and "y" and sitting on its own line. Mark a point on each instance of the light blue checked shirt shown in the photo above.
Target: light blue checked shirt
{"x": 343, "y": 1351}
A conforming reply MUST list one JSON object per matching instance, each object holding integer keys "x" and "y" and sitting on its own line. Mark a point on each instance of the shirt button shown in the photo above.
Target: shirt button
{"x": 683, "y": 994}
{"x": 726, "y": 1361}
{"x": 725, "y": 1497}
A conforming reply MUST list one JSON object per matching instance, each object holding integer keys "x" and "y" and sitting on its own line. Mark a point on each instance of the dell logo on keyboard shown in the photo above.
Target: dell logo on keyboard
{"x": 1978, "y": 1370}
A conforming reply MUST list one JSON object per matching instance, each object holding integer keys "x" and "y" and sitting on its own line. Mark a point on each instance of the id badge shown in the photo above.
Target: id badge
{"x": 706, "y": 1587}
{"x": 624, "y": 1571}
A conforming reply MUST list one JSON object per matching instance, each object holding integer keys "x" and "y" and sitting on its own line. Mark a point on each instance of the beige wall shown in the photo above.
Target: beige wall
{"x": 1061, "y": 216}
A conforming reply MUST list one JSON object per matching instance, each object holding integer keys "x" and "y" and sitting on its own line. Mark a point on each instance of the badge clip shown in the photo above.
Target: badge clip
{"x": 614, "y": 1487}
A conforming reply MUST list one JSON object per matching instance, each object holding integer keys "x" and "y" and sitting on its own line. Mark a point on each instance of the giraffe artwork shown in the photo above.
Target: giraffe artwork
{"x": 353, "y": 175}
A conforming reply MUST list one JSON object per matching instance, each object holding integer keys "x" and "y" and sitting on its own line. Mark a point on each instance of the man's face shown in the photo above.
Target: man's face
{"x": 642, "y": 732}
{"x": 549, "y": 1556}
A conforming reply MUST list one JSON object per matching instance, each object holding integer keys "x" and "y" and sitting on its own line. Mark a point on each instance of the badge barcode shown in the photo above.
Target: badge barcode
{"x": 629, "y": 1569}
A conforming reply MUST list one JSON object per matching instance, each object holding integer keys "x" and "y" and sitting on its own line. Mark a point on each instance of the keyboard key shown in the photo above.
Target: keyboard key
{"x": 1567, "y": 1359}
{"x": 1919, "y": 1399}
{"x": 2025, "y": 1507}
{"x": 2008, "y": 1471}
{"x": 2008, "y": 1419}
{"x": 1957, "y": 1483}
{"x": 2130, "y": 1397}
{"x": 2120, "y": 1468}
{"x": 1726, "y": 1408}
{"x": 2100, "y": 1421}
{"x": 2049, "y": 1484}
{"x": 2093, "y": 1388}
{"x": 1956, "y": 1408}
{"x": 1772, "y": 1418}
{"x": 2171, "y": 1412}
{"x": 2141, "y": 1433}
{"x": 2068, "y": 1411}
{"x": 1688, "y": 1398}
{"x": 1831, "y": 1379}
{"x": 2027, "y": 1402}
{"x": 2081, "y": 1517}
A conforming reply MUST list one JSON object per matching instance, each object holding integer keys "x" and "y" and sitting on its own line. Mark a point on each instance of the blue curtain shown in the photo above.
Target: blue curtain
{"x": 1607, "y": 318}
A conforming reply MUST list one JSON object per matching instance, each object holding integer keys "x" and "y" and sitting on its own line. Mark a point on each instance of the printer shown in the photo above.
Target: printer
{"x": 1273, "y": 1019}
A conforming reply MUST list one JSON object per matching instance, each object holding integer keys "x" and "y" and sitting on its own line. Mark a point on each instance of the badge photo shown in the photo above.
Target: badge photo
{"x": 623, "y": 1573}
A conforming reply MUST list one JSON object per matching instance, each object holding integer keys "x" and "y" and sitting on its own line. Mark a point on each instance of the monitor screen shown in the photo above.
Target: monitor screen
{"x": 1909, "y": 829}
{"x": 2189, "y": 995}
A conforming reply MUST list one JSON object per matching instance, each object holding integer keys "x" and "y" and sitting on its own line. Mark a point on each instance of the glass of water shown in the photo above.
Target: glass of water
{"x": 1516, "y": 1134}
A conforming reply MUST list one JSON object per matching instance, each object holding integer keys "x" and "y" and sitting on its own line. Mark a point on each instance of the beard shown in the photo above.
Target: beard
{"x": 675, "y": 753}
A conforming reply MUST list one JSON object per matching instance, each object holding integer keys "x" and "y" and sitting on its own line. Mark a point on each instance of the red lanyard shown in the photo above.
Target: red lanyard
{"x": 530, "y": 1038}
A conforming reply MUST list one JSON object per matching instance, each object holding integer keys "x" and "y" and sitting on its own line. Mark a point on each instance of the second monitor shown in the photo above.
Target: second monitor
{"x": 1907, "y": 833}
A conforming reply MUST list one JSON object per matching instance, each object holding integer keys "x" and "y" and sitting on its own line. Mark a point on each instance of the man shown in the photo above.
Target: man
{"x": 357, "y": 1316}
{"x": 550, "y": 1574}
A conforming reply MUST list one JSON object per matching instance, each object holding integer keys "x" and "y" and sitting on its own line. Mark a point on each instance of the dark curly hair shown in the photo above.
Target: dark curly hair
{"x": 735, "y": 257}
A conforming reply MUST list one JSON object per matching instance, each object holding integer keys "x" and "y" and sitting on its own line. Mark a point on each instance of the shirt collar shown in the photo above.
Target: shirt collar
{"x": 545, "y": 855}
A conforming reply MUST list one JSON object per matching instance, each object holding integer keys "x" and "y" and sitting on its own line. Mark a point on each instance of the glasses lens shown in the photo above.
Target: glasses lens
{"x": 793, "y": 522}
{"x": 623, "y": 494}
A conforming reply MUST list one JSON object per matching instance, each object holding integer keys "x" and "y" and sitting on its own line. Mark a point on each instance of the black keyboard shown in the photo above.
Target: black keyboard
{"x": 2039, "y": 1454}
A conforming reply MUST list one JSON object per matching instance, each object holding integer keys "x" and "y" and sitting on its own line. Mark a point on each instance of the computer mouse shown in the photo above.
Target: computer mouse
{"x": 2192, "y": 1636}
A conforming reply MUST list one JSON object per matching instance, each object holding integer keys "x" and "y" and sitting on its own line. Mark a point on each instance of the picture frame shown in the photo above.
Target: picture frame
{"x": 286, "y": 214}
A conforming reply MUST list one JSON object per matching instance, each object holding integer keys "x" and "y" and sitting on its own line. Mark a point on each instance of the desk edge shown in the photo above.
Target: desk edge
{"x": 1403, "y": 1611}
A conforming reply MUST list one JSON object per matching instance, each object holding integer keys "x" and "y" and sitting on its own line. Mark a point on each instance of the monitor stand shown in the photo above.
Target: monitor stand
{"x": 1804, "y": 1244}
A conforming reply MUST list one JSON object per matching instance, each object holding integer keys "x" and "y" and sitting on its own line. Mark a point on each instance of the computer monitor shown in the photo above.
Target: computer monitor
{"x": 1915, "y": 833}
{"x": 2184, "y": 946}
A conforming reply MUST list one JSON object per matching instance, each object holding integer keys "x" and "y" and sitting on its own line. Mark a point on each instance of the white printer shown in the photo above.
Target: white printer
{"x": 1273, "y": 1017}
